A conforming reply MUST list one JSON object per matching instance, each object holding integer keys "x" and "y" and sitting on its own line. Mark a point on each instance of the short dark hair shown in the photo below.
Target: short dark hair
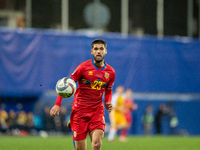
{"x": 98, "y": 41}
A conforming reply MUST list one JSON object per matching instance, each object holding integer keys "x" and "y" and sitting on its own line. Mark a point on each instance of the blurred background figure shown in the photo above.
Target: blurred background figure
{"x": 173, "y": 119}
{"x": 117, "y": 118}
{"x": 63, "y": 118}
{"x": 3, "y": 118}
{"x": 148, "y": 119}
{"x": 58, "y": 124}
{"x": 11, "y": 121}
{"x": 20, "y": 22}
{"x": 129, "y": 106}
{"x": 158, "y": 117}
{"x": 48, "y": 120}
{"x": 173, "y": 123}
{"x": 29, "y": 123}
{"x": 21, "y": 122}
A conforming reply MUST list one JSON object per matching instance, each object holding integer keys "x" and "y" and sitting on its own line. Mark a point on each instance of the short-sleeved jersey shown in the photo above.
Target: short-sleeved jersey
{"x": 92, "y": 82}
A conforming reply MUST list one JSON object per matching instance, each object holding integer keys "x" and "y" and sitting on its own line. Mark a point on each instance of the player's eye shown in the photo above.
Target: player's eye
{"x": 101, "y": 48}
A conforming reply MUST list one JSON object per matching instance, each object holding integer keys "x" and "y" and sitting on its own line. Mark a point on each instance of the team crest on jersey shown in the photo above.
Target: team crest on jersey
{"x": 90, "y": 73}
{"x": 106, "y": 75}
{"x": 75, "y": 134}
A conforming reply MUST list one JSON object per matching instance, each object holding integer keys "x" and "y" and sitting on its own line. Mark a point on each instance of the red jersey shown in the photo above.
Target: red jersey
{"x": 92, "y": 82}
{"x": 128, "y": 105}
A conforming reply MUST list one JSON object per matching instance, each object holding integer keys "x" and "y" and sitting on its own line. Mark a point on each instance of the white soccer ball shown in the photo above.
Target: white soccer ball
{"x": 66, "y": 87}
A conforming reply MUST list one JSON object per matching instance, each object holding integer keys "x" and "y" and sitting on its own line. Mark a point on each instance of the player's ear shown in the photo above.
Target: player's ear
{"x": 105, "y": 51}
{"x": 91, "y": 51}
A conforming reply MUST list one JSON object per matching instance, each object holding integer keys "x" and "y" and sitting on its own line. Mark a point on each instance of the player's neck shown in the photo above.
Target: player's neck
{"x": 99, "y": 64}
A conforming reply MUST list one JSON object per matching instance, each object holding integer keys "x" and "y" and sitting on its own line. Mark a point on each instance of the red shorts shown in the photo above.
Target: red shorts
{"x": 82, "y": 123}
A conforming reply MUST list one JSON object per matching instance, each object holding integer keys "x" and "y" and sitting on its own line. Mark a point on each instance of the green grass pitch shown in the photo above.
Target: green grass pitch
{"x": 133, "y": 143}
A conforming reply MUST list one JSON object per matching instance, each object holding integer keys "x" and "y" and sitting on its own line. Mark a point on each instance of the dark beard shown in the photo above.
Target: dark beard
{"x": 98, "y": 61}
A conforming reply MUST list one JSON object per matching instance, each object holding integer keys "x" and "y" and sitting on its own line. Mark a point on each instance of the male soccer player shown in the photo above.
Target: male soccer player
{"x": 129, "y": 106}
{"x": 117, "y": 118}
{"x": 94, "y": 76}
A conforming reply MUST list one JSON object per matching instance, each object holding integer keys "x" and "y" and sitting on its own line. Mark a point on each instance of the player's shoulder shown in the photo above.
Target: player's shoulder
{"x": 87, "y": 62}
{"x": 110, "y": 68}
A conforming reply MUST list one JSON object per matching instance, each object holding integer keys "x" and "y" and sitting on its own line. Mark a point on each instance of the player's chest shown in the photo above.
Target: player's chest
{"x": 96, "y": 79}
{"x": 97, "y": 75}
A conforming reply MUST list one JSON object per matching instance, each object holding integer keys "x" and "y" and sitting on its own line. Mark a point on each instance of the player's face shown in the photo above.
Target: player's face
{"x": 98, "y": 51}
{"x": 120, "y": 89}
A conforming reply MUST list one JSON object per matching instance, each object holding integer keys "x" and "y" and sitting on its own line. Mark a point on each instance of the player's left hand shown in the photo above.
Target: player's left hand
{"x": 109, "y": 106}
{"x": 54, "y": 110}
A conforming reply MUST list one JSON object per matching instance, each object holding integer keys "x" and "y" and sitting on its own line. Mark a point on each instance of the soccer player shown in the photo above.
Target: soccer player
{"x": 147, "y": 119}
{"x": 117, "y": 118}
{"x": 94, "y": 77}
{"x": 129, "y": 106}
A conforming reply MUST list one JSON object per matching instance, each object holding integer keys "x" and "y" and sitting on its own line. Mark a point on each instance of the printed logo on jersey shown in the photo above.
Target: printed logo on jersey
{"x": 97, "y": 84}
{"x": 90, "y": 73}
{"x": 106, "y": 75}
{"x": 75, "y": 134}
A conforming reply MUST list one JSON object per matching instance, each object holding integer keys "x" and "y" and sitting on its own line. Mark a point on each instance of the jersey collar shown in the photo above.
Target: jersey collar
{"x": 97, "y": 67}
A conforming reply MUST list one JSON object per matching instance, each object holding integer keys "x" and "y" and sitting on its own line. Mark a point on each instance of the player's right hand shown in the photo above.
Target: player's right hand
{"x": 55, "y": 110}
{"x": 109, "y": 106}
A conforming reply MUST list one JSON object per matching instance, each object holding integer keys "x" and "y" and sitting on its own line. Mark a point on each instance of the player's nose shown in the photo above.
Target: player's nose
{"x": 98, "y": 51}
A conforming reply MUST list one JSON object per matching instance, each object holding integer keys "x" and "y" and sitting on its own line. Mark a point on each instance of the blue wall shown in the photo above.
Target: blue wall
{"x": 33, "y": 57}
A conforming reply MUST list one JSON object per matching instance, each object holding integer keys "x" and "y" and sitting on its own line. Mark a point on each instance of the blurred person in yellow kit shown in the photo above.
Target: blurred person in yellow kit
{"x": 3, "y": 118}
{"x": 129, "y": 107}
{"x": 117, "y": 118}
